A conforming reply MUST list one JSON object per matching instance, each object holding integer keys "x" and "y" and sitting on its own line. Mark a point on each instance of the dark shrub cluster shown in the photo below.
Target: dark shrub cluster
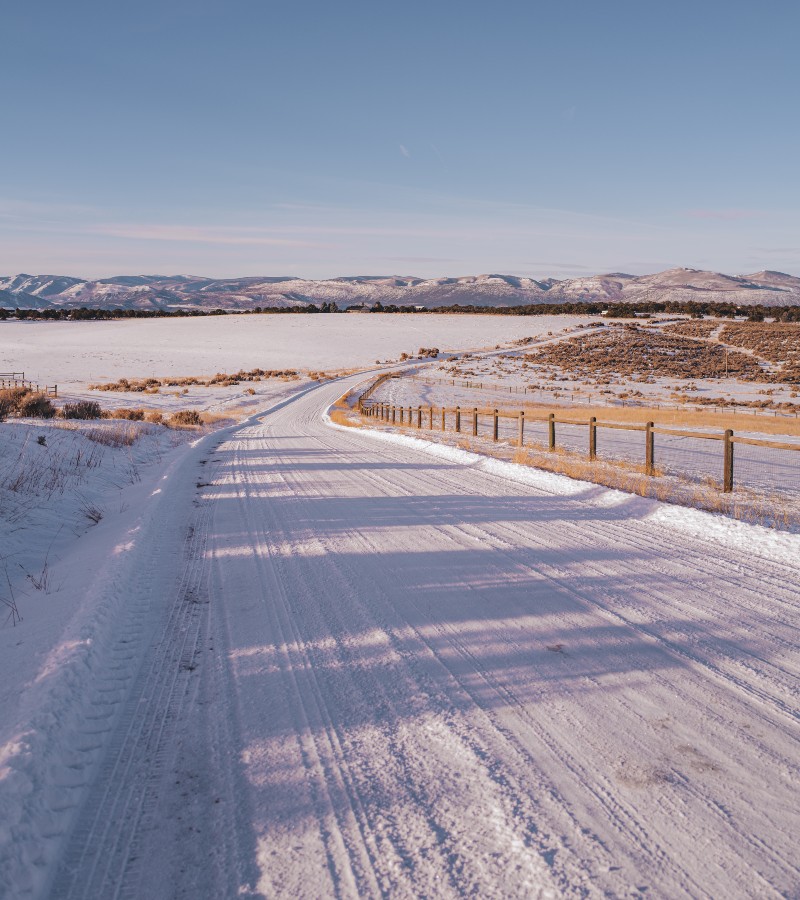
{"x": 23, "y": 402}
{"x": 82, "y": 409}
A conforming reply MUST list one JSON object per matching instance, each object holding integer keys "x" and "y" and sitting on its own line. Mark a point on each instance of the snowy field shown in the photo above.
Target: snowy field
{"x": 74, "y": 353}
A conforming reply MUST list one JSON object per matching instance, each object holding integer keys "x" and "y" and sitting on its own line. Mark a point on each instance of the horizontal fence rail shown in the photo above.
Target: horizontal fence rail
{"x": 581, "y": 435}
{"x": 12, "y": 380}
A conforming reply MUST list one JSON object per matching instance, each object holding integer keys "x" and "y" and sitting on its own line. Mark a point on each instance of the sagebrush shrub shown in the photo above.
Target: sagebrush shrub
{"x": 36, "y": 406}
{"x": 82, "y": 409}
{"x": 185, "y": 417}
{"x": 10, "y": 399}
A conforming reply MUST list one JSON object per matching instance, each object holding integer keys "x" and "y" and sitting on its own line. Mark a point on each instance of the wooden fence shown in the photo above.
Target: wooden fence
{"x": 18, "y": 380}
{"x": 437, "y": 418}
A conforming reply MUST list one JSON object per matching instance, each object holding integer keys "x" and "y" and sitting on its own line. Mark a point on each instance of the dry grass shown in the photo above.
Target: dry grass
{"x": 342, "y": 413}
{"x": 344, "y": 417}
{"x": 620, "y": 474}
{"x": 221, "y": 379}
{"x": 770, "y": 510}
{"x": 234, "y": 414}
{"x": 678, "y": 418}
{"x": 119, "y": 434}
{"x": 640, "y": 415}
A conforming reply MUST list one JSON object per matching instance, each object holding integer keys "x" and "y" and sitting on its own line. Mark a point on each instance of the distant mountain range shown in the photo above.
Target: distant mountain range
{"x": 168, "y": 292}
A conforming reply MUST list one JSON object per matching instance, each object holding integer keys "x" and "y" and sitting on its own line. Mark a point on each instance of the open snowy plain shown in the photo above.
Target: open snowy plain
{"x": 293, "y": 659}
{"x": 79, "y": 352}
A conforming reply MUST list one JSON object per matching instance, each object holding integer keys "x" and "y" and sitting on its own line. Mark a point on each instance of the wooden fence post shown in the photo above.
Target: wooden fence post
{"x": 649, "y": 449}
{"x": 394, "y": 414}
{"x": 496, "y": 429}
{"x": 430, "y": 424}
{"x": 458, "y": 418}
{"x": 521, "y": 435}
{"x": 419, "y": 417}
{"x": 443, "y": 418}
{"x": 402, "y": 415}
{"x": 551, "y": 431}
{"x": 593, "y": 437}
{"x": 475, "y": 422}
{"x": 727, "y": 475}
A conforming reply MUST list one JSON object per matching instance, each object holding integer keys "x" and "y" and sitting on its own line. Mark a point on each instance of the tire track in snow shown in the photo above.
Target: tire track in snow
{"x": 565, "y": 581}
{"x": 443, "y": 475}
{"x": 528, "y": 831}
{"x": 106, "y": 854}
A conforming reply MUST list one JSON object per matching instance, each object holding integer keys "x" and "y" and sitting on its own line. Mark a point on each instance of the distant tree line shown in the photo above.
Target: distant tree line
{"x": 694, "y": 308}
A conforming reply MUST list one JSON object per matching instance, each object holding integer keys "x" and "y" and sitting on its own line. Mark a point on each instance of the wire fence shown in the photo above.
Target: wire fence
{"x": 717, "y": 459}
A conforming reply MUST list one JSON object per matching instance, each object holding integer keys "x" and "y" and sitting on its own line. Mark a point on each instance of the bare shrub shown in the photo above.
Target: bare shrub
{"x": 184, "y": 417}
{"x": 154, "y": 416}
{"x": 36, "y": 406}
{"x": 83, "y": 409}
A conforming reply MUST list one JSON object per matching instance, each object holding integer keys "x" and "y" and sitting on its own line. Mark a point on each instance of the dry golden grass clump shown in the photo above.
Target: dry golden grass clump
{"x": 632, "y": 351}
{"x": 133, "y": 415}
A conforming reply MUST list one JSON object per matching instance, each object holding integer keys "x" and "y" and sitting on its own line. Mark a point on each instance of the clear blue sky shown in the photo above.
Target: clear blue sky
{"x": 331, "y": 138}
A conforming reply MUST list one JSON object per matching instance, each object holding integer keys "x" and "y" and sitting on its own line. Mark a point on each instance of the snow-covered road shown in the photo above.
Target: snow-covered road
{"x": 380, "y": 671}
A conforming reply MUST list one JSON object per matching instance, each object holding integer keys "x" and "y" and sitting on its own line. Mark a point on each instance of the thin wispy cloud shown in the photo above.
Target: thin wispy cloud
{"x": 200, "y": 235}
{"x": 405, "y": 151}
{"x": 725, "y": 214}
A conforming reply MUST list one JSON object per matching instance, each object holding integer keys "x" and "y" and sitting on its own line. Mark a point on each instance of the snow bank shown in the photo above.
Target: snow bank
{"x": 734, "y": 535}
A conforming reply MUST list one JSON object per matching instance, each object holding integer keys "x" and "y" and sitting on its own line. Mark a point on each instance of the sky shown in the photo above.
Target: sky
{"x": 252, "y": 137}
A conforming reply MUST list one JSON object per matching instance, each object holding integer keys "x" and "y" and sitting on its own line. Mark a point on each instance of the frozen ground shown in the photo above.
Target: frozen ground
{"x": 74, "y": 353}
{"x": 307, "y": 661}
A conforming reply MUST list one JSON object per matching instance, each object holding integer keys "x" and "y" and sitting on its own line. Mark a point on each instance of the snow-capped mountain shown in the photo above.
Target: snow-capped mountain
{"x": 188, "y": 291}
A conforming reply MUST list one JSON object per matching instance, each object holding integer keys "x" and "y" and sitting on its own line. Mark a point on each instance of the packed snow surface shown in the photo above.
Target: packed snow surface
{"x": 308, "y": 661}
